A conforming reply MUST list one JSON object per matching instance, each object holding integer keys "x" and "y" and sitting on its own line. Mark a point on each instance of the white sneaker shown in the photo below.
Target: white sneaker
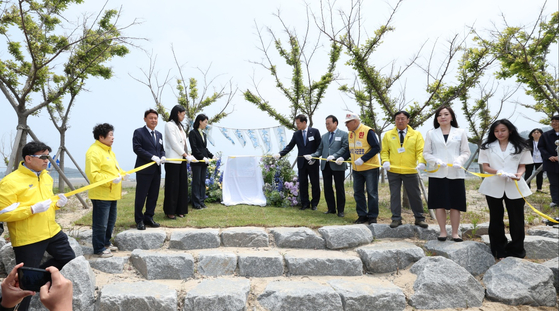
{"x": 111, "y": 248}
{"x": 104, "y": 254}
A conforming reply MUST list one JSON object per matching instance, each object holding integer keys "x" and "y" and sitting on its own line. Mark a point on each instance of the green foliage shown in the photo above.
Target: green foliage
{"x": 524, "y": 54}
{"x": 303, "y": 98}
{"x": 45, "y": 58}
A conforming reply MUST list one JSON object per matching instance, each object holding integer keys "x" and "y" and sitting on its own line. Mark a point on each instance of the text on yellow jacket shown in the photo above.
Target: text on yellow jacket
{"x": 402, "y": 161}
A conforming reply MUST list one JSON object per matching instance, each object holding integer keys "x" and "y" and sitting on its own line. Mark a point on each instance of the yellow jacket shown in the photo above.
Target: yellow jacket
{"x": 359, "y": 148}
{"x": 412, "y": 155}
{"x": 101, "y": 164}
{"x": 23, "y": 186}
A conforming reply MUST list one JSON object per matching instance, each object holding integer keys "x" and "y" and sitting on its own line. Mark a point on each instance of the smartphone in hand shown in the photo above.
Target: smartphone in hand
{"x": 32, "y": 278}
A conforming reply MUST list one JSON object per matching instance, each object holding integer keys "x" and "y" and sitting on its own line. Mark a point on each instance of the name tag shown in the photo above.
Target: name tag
{"x": 337, "y": 138}
{"x": 311, "y": 138}
{"x": 160, "y": 141}
{"x": 400, "y": 150}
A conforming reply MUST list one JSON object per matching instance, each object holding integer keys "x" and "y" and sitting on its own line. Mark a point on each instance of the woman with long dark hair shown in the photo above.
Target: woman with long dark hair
{"x": 505, "y": 154}
{"x": 198, "y": 143}
{"x": 176, "y": 178}
{"x": 533, "y": 139}
{"x": 446, "y": 144}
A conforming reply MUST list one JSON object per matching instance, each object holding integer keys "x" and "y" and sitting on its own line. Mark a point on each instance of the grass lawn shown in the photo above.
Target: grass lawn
{"x": 221, "y": 216}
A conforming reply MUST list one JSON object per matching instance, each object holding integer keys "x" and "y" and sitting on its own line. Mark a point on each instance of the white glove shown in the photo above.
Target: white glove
{"x": 441, "y": 163}
{"x": 358, "y": 162}
{"x": 117, "y": 180}
{"x": 340, "y": 161}
{"x": 386, "y": 166}
{"x": 501, "y": 174}
{"x": 62, "y": 200}
{"x": 307, "y": 157}
{"x": 125, "y": 177}
{"x": 156, "y": 159}
{"x": 511, "y": 175}
{"x": 41, "y": 206}
{"x": 214, "y": 158}
{"x": 311, "y": 162}
{"x": 330, "y": 158}
{"x": 206, "y": 160}
{"x": 9, "y": 208}
{"x": 456, "y": 164}
{"x": 190, "y": 158}
{"x": 276, "y": 156}
{"x": 421, "y": 167}
{"x": 163, "y": 160}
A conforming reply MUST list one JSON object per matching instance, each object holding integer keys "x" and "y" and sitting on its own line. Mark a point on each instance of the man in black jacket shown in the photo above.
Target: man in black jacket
{"x": 307, "y": 140}
{"x": 148, "y": 146}
{"x": 548, "y": 148}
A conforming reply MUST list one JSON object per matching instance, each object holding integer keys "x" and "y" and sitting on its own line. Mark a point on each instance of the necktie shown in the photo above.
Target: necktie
{"x": 153, "y": 134}
{"x": 305, "y": 137}
{"x": 401, "y": 138}
{"x": 331, "y": 136}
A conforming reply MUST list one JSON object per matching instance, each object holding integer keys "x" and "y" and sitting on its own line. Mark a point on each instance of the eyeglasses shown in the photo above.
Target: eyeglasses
{"x": 40, "y": 156}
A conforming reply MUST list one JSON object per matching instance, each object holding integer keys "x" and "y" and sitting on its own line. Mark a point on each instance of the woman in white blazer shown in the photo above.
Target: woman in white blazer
{"x": 176, "y": 176}
{"x": 505, "y": 154}
{"x": 445, "y": 144}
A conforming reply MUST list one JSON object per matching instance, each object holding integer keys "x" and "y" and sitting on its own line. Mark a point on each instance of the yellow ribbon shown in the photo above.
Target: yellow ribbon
{"x": 110, "y": 179}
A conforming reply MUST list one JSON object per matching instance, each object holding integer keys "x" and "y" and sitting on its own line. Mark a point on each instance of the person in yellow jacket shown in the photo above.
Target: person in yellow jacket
{"x": 363, "y": 151}
{"x": 101, "y": 164}
{"x": 28, "y": 206}
{"x": 402, "y": 157}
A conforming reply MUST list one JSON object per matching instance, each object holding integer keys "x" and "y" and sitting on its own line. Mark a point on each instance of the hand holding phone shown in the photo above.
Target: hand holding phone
{"x": 12, "y": 294}
{"x": 58, "y": 294}
{"x": 32, "y": 278}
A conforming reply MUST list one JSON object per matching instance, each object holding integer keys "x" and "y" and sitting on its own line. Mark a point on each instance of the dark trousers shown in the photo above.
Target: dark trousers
{"x": 176, "y": 189}
{"x": 553, "y": 186}
{"x": 198, "y": 184}
{"x": 368, "y": 179}
{"x": 31, "y": 255}
{"x": 411, "y": 186}
{"x": 539, "y": 178}
{"x": 500, "y": 247}
{"x": 339, "y": 177}
{"x": 304, "y": 174}
{"x": 104, "y": 219}
{"x": 147, "y": 187}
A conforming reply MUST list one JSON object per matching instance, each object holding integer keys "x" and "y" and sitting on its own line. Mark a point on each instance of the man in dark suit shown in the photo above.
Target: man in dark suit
{"x": 307, "y": 140}
{"x": 333, "y": 147}
{"x": 548, "y": 148}
{"x": 148, "y": 146}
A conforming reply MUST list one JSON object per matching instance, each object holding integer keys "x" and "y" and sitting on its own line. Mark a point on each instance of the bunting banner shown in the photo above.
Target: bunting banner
{"x": 280, "y": 136}
{"x": 253, "y": 138}
{"x": 225, "y": 133}
{"x": 209, "y": 132}
{"x": 240, "y": 137}
{"x": 265, "y": 136}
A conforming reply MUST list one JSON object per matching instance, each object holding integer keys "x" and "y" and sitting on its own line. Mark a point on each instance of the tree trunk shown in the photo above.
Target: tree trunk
{"x": 61, "y": 159}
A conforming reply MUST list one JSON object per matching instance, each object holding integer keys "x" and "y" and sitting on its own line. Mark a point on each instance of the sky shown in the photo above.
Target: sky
{"x": 222, "y": 35}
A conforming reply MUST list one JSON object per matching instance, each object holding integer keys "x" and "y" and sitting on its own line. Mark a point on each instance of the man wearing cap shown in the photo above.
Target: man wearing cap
{"x": 363, "y": 151}
{"x": 334, "y": 145}
{"x": 402, "y": 157}
{"x": 307, "y": 140}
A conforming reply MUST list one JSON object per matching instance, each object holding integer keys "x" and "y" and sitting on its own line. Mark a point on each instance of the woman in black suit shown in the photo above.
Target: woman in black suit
{"x": 198, "y": 143}
{"x": 533, "y": 139}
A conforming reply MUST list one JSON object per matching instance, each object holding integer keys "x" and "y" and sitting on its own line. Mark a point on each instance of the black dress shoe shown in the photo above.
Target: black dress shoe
{"x": 304, "y": 207}
{"x": 140, "y": 226}
{"x": 341, "y": 214}
{"x": 372, "y": 220}
{"x": 197, "y": 207}
{"x": 313, "y": 207}
{"x": 329, "y": 212}
{"x": 203, "y": 205}
{"x": 151, "y": 223}
{"x": 361, "y": 220}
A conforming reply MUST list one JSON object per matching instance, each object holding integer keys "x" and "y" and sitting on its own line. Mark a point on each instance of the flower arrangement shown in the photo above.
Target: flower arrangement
{"x": 214, "y": 180}
{"x": 281, "y": 186}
